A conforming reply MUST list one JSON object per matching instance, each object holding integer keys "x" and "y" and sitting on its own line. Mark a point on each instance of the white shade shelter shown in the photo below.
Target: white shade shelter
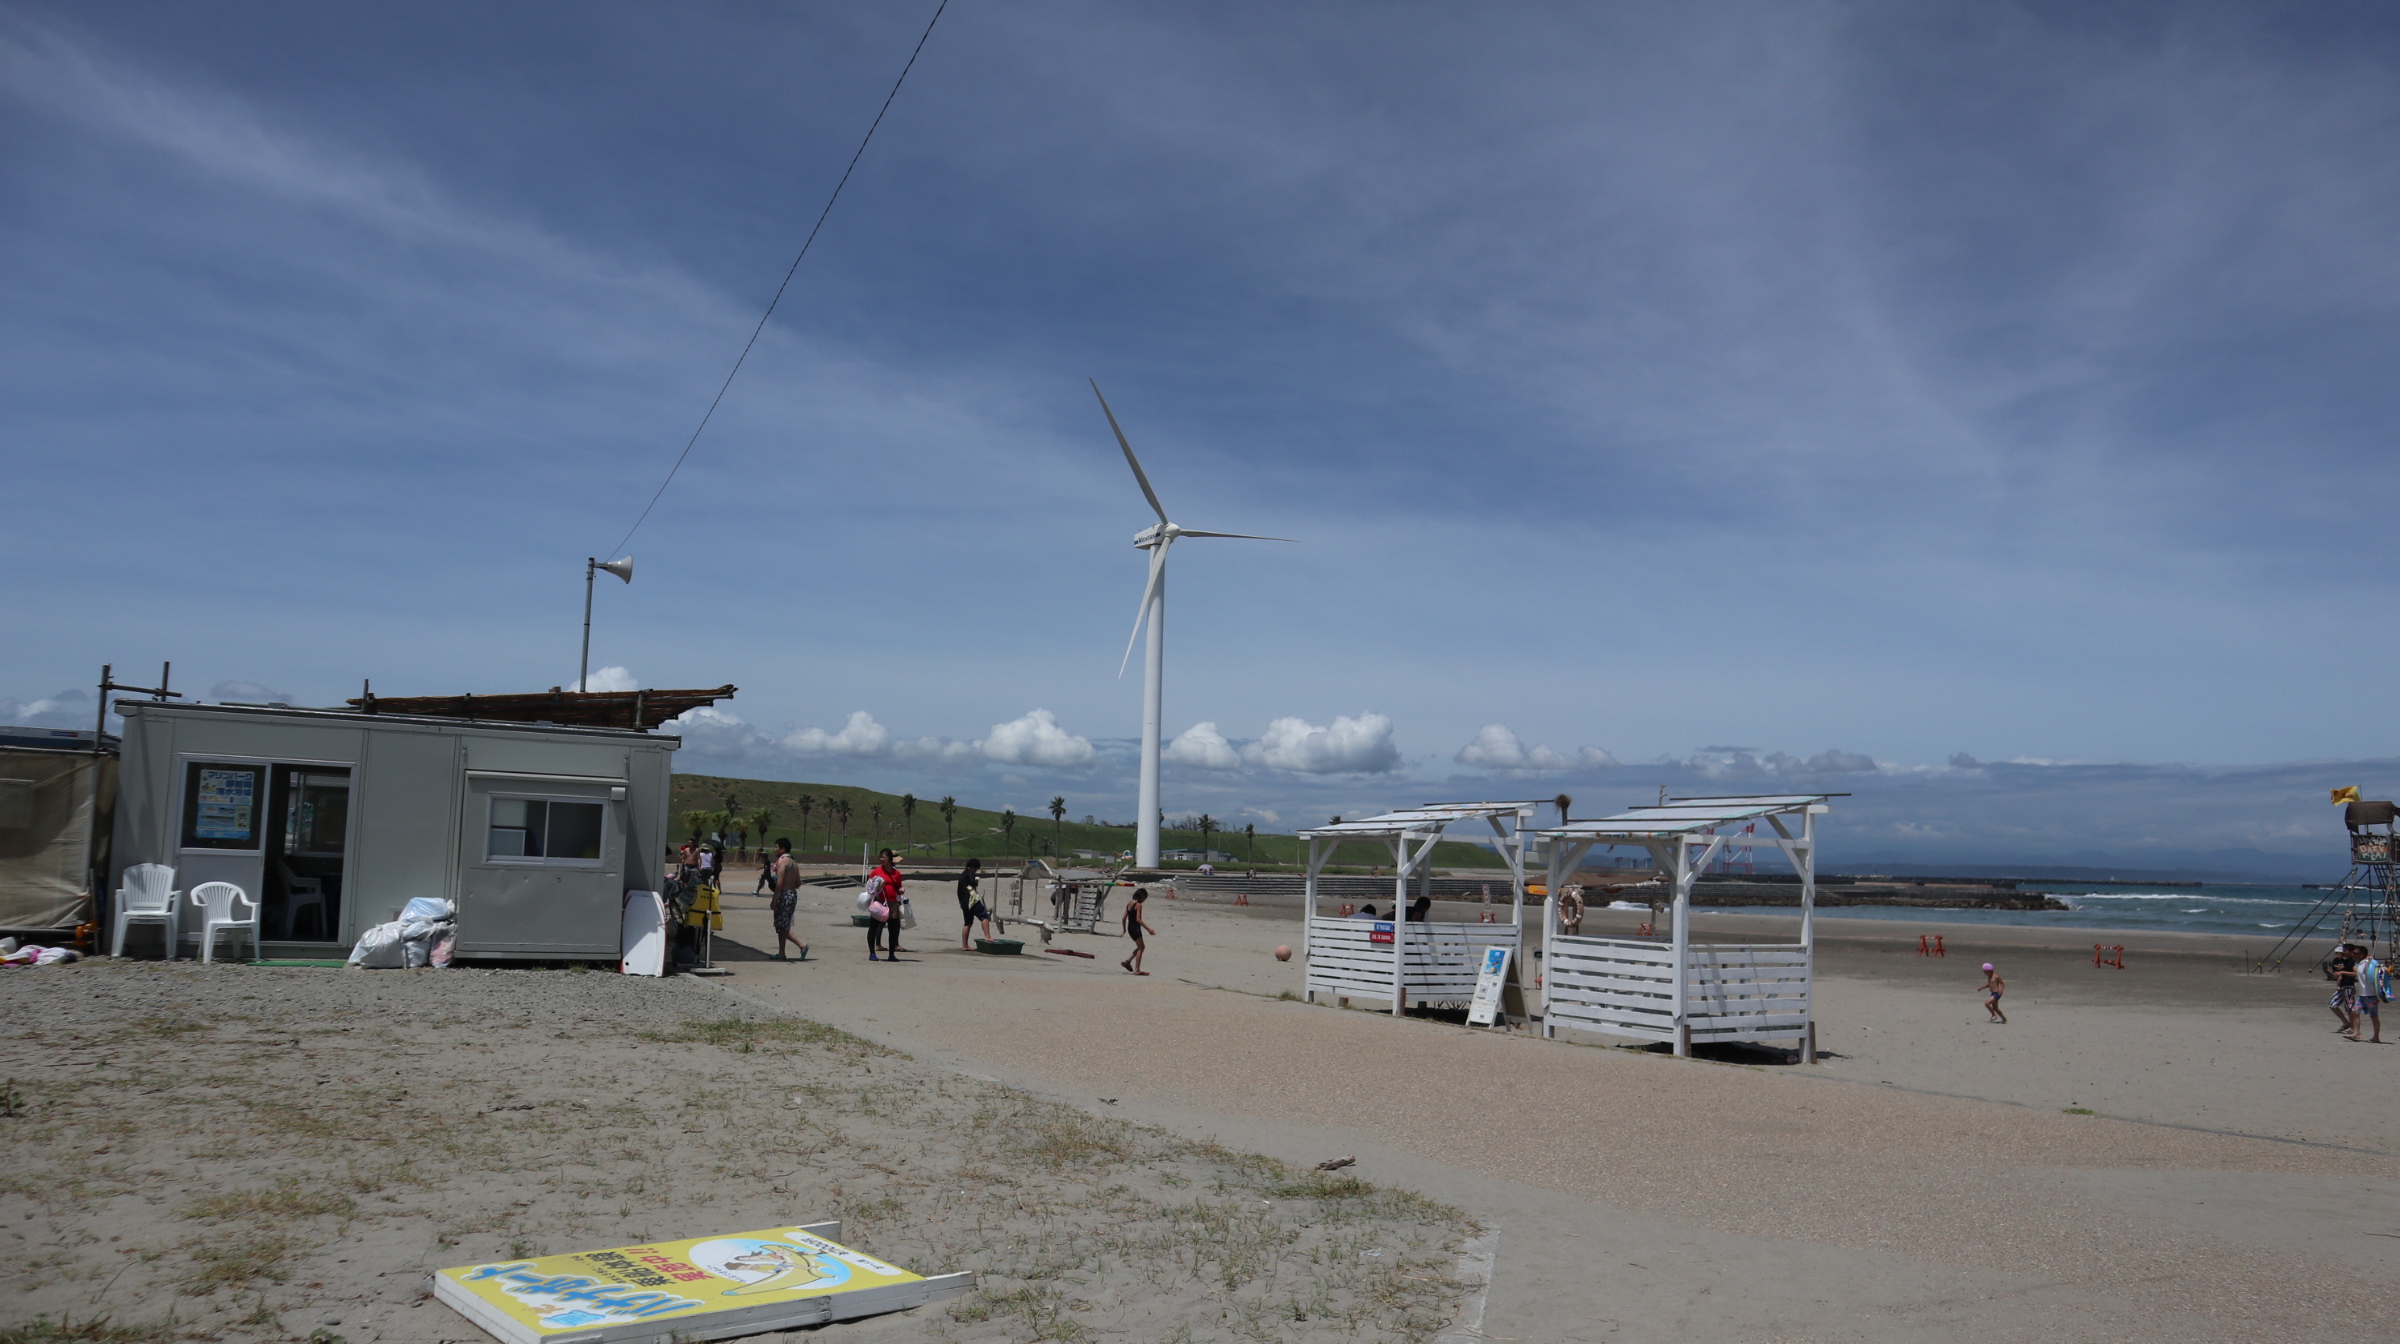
{"x": 1680, "y": 991}
{"x": 1395, "y": 959}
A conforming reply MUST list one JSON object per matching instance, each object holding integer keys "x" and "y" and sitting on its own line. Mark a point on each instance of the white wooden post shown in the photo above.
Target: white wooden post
{"x": 1399, "y": 929}
{"x": 1308, "y": 912}
{"x": 1549, "y": 927}
{"x": 1681, "y": 871}
{"x": 1808, "y": 930}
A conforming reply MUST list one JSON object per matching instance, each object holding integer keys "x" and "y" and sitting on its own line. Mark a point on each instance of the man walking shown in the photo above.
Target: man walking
{"x": 786, "y": 899}
{"x": 2374, "y": 984}
{"x": 2343, "y": 967}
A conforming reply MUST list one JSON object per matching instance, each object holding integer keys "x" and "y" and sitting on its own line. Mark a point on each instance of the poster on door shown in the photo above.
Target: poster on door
{"x": 227, "y": 806}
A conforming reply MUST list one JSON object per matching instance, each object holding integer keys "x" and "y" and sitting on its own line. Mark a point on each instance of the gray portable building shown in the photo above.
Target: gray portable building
{"x": 334, "y": 819}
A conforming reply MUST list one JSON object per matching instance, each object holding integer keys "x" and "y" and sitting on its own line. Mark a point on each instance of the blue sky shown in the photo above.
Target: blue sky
{"x": 1733, "y": 396}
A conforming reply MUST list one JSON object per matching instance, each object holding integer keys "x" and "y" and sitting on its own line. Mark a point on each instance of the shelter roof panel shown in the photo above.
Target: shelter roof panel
{"x": 1412, "y": 820}
{"x": 1686, "y": 817}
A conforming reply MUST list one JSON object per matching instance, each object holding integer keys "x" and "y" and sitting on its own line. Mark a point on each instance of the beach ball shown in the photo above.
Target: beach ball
{"x": 1283, "y": 954}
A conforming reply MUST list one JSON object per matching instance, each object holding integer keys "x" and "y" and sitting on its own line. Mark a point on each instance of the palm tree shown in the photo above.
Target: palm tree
{"x": 908, "y": 820}
{"x": 1206, "y": 824}
{"x": 875, "y": 821}
{"x": 1008, "y": 824}
{"x": 761, "y": 822}
{"x": 1250, "y": 833}
{"x": 841, "y": 809}
{"x": 1058, "y": 812}
{"x": 695, "y": 821}
{"x": 949, "y": 817}
{"x": 807, "y": 805}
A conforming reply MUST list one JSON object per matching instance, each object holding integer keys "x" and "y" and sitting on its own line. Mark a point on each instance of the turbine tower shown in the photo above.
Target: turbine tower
{"x": 1153, "y": 610}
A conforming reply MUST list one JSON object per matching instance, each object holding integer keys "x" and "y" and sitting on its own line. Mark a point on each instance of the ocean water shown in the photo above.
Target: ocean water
{"x": 2254, "y": 912}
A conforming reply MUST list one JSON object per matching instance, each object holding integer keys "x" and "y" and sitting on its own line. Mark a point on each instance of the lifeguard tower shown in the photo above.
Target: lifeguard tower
{"x": 2364, "y": 907}
{"x": 1678, "y": 990}
{"x": 1396, "y": 960}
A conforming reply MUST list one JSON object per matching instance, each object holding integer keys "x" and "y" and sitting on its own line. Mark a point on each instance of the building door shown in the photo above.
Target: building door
{"x": 542, "y": 867}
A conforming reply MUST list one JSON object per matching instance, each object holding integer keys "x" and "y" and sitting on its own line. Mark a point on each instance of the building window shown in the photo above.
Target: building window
{"x": 545, "y": 830}
{"x": 221, "y": 805}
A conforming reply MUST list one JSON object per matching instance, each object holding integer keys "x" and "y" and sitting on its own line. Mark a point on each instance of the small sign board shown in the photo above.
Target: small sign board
{"x": 1491, "y": 977}
{"x": 1380, "y": 931}
{"x": 703, "y": 1288}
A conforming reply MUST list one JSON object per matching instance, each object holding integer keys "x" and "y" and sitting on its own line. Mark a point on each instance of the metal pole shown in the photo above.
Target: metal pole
{"x": 583, "y": 674}
{"x": 91, "y": 826}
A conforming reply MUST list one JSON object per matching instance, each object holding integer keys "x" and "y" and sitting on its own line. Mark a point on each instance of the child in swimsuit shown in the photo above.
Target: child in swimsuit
{"x": 1993, "y": 988}
{"x": 1135, "y": 927}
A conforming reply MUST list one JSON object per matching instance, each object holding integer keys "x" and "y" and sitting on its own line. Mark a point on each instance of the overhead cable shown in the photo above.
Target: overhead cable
{"x": 788, "y": 272}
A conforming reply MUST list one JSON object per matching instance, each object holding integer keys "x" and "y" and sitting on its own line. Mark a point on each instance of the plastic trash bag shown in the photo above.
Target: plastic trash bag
{"x": 378, "y": 949}
{"x": 427, "y": 909}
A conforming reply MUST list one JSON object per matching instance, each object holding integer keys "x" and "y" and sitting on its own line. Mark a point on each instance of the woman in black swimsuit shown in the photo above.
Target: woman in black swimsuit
{"x": 970, "y": 905}
{"x": 1135, "y": 927}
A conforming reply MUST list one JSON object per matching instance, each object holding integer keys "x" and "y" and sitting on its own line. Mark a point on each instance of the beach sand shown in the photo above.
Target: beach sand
{"x": 1927, "y": 1177}
{"x": 257, "y": 1153}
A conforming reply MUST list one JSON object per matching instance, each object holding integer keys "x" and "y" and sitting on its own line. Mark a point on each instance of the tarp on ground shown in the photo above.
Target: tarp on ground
{"x": 45, "y": 835}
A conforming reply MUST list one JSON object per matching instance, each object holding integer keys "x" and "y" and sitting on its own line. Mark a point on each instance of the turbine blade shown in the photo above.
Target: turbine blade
{"x": 1244, "y": 536}
{"x": 1158, "y": 564}
{"x": 1130, "y": 459}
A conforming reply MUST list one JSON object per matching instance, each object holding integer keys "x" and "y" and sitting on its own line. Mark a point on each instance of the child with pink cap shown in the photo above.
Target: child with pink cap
{"x": 1993, "y": 988}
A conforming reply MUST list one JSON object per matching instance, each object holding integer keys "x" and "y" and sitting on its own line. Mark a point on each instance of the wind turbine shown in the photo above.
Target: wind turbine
{"x": 1156, "y": 540}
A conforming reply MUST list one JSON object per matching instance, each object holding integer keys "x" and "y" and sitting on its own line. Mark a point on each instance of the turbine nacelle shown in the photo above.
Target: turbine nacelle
{"x": 1155, "y": 535}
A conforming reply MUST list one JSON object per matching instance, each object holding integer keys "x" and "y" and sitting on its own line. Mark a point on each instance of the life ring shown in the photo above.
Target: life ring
{"x": 1570, "y": 907}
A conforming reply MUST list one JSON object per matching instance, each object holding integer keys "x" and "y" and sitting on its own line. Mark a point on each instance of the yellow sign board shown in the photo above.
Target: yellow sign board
{"x": 705, "y": 1287}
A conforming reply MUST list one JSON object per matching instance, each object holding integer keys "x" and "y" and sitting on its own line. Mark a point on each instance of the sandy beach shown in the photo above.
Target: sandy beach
{"x": 1928, "y": 1176}
{"x": 2163, "y": 1152}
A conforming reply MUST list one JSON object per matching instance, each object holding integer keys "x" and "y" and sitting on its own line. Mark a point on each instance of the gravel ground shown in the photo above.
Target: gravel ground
{"x": 256, "y": 1153}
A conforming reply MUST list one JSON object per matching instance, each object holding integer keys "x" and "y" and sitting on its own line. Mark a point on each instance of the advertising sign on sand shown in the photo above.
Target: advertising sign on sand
{"x": 1491, "y": 976}
{"x": 704, "y": 1288}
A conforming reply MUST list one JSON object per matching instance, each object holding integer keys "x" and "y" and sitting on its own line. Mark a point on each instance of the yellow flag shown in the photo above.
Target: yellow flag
{"x": 2348, "y": 795}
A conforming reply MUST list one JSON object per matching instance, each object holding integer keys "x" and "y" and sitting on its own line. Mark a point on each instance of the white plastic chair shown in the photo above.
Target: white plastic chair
{"x": 148, "y": 897}
{"x": 216, "y": 901}
{"x": 301, "y": 893}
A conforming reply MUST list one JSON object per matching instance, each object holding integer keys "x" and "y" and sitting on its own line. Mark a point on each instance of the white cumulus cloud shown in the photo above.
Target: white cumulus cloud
{"x": 249, "y": 693}
{"x": 939, "y": 749}
{"x": 1361, "y": 745}
{"x": 860, "y": 736}
{"x": 67, "y": 709}
{"x": 612, "y": 679}
{"x": 1497, "y": 748}
{"x": 1593, "y": 758}
{"x": 1202, "y": 745}
{"x": 1036, "y": 739}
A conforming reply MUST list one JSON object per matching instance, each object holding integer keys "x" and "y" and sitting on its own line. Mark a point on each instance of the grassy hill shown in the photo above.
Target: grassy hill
{"x": 881, "y": 819}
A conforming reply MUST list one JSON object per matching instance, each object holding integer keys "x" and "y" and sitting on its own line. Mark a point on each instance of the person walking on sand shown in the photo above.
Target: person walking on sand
{"x": 970, "y": 905}
{"x": 1135, "y": 927}
{"x": 887, "y": 867}
{"x": 786, "y": 874}
{"x": 2342, "y": 966}
{"x": 879, "y": 916}
{"x": 766, "y": 871}
{"x": 2374, "y": 985}
{"x": 1993, "y": 988}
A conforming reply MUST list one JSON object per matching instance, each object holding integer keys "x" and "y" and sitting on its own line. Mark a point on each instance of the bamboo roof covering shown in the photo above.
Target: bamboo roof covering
{"x": 642, "y": 710}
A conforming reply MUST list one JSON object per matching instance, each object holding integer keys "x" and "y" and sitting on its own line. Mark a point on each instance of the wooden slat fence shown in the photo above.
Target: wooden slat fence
{"x": 1442, "y": 959}
{"x": 1627, "y": 988}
